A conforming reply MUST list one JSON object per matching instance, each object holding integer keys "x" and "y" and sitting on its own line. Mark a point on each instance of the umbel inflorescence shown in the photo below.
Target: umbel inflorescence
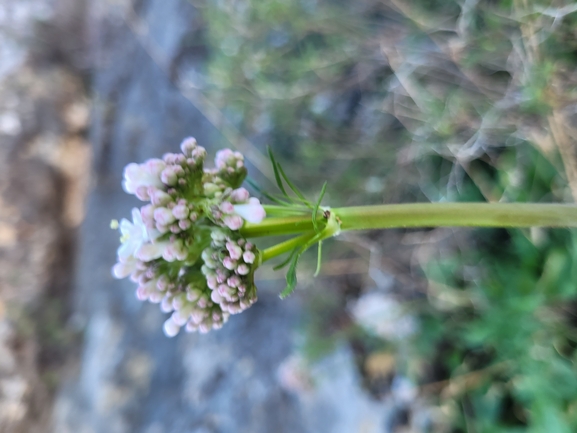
{"x": 187, "y": 248}
{"x": 183, "y": 248}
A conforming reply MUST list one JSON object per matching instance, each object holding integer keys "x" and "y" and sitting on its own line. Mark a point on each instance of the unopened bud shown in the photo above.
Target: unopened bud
{"x": 188, "y": 145}
{"x": 248, "y": 257}
{"x": 239, "y": 195}
{"x": 142, "y": 193}
{"x": 180, "y": 212}
{"x": 168, "y": 176}
{"x": 234, "y": 250}
{"x": 233, "y": 222}
{"x": 243, "y": 269}
{"x": 170, "y": 328}
{"x": 229, "y": 263}
{"x": 158, "y": 197}
{"x": 163, "y": 216}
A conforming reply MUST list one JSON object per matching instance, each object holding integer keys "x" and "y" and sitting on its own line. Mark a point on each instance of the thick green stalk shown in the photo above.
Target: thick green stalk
{"x": 457, "y": 215}
{"x": 278, "y": 226}
{"x": 426, "y": 215}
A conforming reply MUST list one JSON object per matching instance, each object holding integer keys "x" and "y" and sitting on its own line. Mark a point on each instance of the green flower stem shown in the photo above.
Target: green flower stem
{"x": 283, "y": 211}
{"x": 286, "y": 246}
{"x": 425, "y": 215}
{"x": 278, "y": 226}
{"x": 457, "y": 215}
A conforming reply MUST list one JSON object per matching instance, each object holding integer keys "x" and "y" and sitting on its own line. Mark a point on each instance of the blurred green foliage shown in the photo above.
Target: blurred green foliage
{"x": 402, "y": 101}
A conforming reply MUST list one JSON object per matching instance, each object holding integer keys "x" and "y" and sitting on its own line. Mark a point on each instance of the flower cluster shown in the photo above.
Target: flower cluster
{"x": 183, "y": 248}
{"x": 228, "y": 268}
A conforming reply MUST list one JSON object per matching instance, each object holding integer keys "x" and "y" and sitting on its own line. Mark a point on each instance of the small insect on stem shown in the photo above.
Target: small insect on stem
{"x": 327, "y": 214}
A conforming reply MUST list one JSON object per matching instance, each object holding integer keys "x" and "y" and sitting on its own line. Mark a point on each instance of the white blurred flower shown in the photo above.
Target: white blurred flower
{"x": 143, "y": 175}
{"x": 151, "y": 251}
{"x": 134, "y": 235}
{"x": 384, "y": 316}
{"x": 124, "y": 269}
{"x": 253, "y": 211}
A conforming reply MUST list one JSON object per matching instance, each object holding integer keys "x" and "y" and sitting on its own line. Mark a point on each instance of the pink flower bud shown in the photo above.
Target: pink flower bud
{"x": 203, "y": 301}
{"x": 216, "y": 297}
{"x": 147, "y": 213}
{"x": 199, "y": 153}
{"x": 239, "y": 195}
{"x": 234, "y": 281}
{"x": 174, "y": 251}
{"x": 211, "y": 282}
{"x": 184, "y": 224}
{"x": 170, "y": 328}
{"x": 193, "y": 294}
{"x": 141, "y": 293}
{"x": 161, "y": 228}
{"x": 188, "y": 145}
{"x": 234, "y": 309}
{"x": 163, "y": 216}
{"x": 224, "y": 290}
{"x": 123, "y": 270}
{"x": 229, "y": 263}
{"x": 233, "y": 222}
{"x": 248, "y": 257}
{"x": 226, "y": 207}
{"x": 234, "y": 250}
{"x": 204, "y": 328}
{"x": 156, "y": 297}
{"x": 142, "y": 193}
{"x": 158, "y": 197}
{"x": 222, "y": 157}
{"x": 221, "y": 275}
{"x": 168, "y": 176}
{"x": 162, "y": 283}
{"x": 169, "y": 158}
{"x": 243, "y": 269}
{"x": 180, "y": 212}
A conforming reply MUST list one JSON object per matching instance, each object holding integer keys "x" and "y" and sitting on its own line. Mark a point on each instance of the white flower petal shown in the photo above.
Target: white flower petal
{"x": 125, "y": 227}
{"x": 148, "y": 252}
{"x": 125, "y": 252}
{"x": 251, "y": 212}
{"x": 123, "y": 270}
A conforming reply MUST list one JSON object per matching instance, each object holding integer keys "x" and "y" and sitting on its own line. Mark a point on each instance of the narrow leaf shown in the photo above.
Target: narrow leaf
{"x": 319, "y": 258}
{"x": 271, "y": 197}
{"x": 294, "y": 188}
{"x": 291, "y": 276}
{"x": 275, "y": 167}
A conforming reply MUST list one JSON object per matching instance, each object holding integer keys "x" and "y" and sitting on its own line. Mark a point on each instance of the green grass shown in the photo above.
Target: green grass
{"x": 406, "y": 101}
